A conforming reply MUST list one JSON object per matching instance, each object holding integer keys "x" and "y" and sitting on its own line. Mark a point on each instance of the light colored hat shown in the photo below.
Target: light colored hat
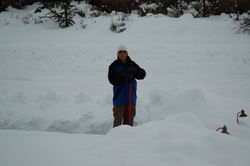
{"x": 121, "y": 48}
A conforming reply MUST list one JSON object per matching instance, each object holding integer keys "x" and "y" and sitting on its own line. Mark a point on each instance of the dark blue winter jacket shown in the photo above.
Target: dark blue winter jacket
{"x": 119, "y": 79}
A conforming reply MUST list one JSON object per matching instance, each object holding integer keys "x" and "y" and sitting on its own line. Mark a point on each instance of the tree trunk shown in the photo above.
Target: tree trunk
{"x": 66, "y": 15}
{"x": 204, "y": 8}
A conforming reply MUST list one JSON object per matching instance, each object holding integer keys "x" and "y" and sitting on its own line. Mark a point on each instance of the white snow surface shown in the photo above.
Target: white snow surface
{"x": 152, "y": 6}
{"x": 51, "y": 79}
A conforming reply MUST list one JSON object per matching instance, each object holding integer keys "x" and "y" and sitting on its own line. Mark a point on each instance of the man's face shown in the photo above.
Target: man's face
{"x": 123, "y": 55}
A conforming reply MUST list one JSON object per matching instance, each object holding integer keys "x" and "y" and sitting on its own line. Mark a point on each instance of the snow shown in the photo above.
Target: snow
{"x": 177, "y": 140}
{"x": 51, "y": 79}
{"x": 152, "y": 6}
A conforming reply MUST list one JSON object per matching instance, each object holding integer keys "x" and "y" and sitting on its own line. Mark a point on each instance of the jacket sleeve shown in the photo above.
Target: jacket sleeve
{"x": 114, "y": 78}
{"x": 140, "y": 72}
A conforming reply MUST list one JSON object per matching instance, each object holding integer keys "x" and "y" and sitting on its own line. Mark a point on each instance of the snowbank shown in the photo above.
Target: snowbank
{"x": 176, "y": 140}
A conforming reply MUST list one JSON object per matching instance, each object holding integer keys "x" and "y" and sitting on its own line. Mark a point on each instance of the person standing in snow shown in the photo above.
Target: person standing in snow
{"x": 122, "y": 73}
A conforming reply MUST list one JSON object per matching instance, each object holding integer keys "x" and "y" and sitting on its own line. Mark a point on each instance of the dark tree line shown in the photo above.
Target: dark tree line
{"x": 207, "y": 7}
{"x": 19, "y": 4}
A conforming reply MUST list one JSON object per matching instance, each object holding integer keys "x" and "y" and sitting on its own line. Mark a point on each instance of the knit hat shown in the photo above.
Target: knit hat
{"x": 121, "y": 48}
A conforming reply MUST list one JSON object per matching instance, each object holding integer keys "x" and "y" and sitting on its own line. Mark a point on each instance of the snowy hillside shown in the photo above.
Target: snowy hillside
{"x": 51, "y": 79}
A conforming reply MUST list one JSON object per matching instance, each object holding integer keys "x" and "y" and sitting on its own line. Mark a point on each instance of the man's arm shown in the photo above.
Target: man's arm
{"x": 139, "y": 72}
{"x": 114, "y": 78}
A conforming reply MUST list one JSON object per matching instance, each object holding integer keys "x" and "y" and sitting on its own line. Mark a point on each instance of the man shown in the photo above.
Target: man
{"x": 123, "y": 73}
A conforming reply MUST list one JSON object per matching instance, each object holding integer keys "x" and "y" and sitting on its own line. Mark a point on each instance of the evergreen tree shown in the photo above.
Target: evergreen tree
{"x": 3, "y": 5}
{"x": 61, "y": 11}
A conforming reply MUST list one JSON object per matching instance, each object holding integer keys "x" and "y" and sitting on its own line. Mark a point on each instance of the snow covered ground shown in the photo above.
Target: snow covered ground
{"x": 177, "y": 140}
{"x": 51, "y": 79}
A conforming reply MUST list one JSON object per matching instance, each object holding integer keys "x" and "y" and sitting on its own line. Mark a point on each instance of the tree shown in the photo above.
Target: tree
{"x": 204, "y": 14}
{"x": 61, "y": 11}
{"x": 3, "y": 5}
{"x": 19, "y": 4}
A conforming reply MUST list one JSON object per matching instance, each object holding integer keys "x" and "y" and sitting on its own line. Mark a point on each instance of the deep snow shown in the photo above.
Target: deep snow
{"x": 177, "y": 140}
{"x": 51, "y": 79}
